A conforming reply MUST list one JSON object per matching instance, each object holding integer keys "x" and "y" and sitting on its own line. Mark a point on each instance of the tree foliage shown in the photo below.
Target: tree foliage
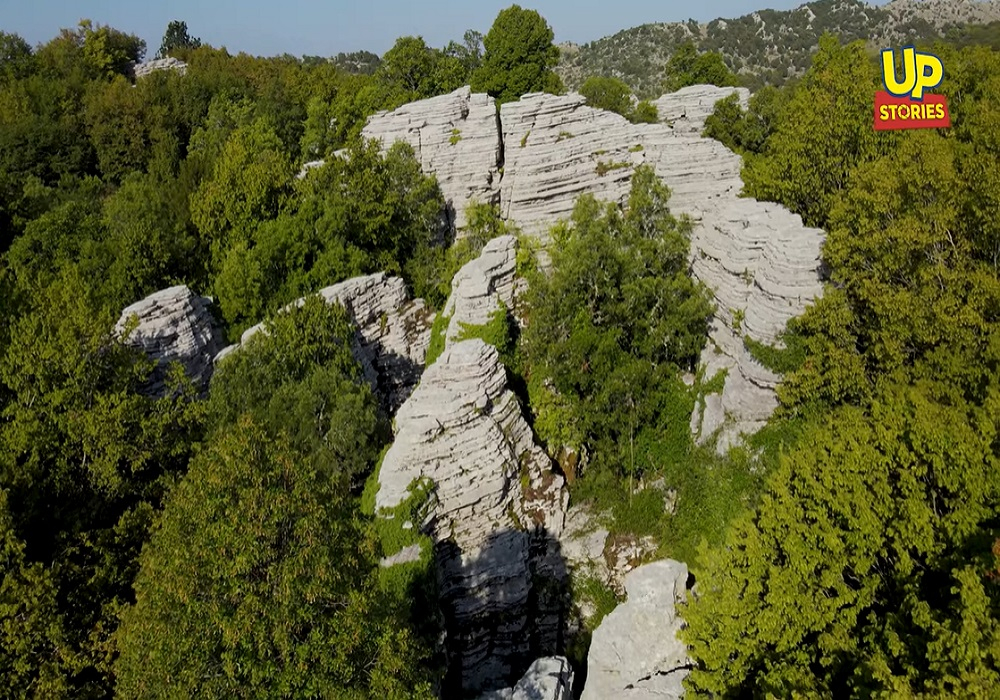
{"x": 176, "y": 40}
{"x": 689, "y": 67}
{"x": 519, "y": 56}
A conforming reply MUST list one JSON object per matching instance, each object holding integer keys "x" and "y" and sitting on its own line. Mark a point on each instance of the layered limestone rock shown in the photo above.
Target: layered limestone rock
{"x": 455, "y": 136}
{"x": 169, "y": 63}
{"x": 496, "y": 512}
{"x": 555, "y": 149}
{"x": 498, "y": 507}
{"x": 173, "y": 324}
{"x": 393, "y": 332}
{"x": 758, "y": 259}
{"x": 687, "y": 108}
{"x": 481, "y": 286}
{"x": 634, "y": 652}
{"x": 549, "y": 678}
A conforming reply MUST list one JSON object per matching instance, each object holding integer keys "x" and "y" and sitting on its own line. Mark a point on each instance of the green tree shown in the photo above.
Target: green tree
{"x": 688, "y": 67}
{"x": 16, "y": 59}
{"x": 607, "y": 93}
{"x": 258, "y": 581}
{"x": 869, "y": 567}
{"x": 176, "y": 40}
{"x": 519, "y": 56}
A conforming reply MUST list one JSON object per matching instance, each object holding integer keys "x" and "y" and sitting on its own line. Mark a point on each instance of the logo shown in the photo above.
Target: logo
{"x": 906, "y": 104}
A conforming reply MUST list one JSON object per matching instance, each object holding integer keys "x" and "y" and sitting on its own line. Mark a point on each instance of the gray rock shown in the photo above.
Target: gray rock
{"x": 393, "y": 332}
{"x": 169, "y": 63}
{"x": 687, "y": 109}
{"x": 759, "y": 260}
{"x": 174, "y": 324}
{"x": 548, "y": 678}
{"x": 634, "y": 652}
{"x": 481, "y": 285}
{"x": 498, "y": 506}
{"x": 455, "y": 136}
{"x": 496, "y": 510}
{"x": 403, "y": 556}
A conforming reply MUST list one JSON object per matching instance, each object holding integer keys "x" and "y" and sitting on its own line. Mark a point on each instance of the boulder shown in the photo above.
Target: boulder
{"x": 455, "y": 136}
{"x": 634, "y": 652}
{"x": 174, "y": 324}
{"x": 393, "y": 332}
{"x": 549, "y": 678}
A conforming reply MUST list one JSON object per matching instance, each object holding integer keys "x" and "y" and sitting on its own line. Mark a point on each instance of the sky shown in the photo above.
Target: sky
{"x": 318, "y": 28}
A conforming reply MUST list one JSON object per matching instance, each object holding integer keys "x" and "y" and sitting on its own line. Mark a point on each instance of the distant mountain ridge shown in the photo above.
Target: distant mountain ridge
{"x": 769, "y": 46}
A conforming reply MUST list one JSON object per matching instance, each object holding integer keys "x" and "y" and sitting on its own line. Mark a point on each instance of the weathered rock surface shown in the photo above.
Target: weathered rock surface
{"x": 687, "y": 109}
{"x": 634, "y": 652}
{"x": 498, "y": 507}
{"x": 174, "y": 324}
{"x": 393, "y": 332}
{"x": 169, "y": 63}
{"x": 496, "y": 510}
{"x": 455, "y": 136}
{"x": 549, "y": 678}
{"x": 759, "y": 260}
{"x": 481, "y": 285}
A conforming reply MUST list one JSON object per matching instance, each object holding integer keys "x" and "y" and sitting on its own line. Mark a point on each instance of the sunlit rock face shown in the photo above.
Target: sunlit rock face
{"x": 635, "y": 653}
{"x": 761, "y": 263}
{"x": 456, "y": 137}
{"x": 173, "y": 324}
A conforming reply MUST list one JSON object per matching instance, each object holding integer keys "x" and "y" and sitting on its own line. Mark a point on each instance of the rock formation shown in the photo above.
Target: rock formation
{"x": 549, "y": 678}
{"x": 393, "y": 332}
{"x": 759, "y": 260}
{"x": 454, "y": 136}
{"x": 498, "y": 507}
{"x": 169, "y": 63}
{"x": 687, "y": 109}
{"x": 634, "y": 652}
{"x": 174, "y": 324}
{"x": 481, "y": 285}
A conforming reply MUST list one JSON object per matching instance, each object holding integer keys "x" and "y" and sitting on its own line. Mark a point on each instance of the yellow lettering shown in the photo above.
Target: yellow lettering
{"x": 893, "y": 86}
{"x": 883, "y": 112}
{"x": 939, "y": 111}
{"x": 929, "y": 74}
{"x": 892, "y": 110}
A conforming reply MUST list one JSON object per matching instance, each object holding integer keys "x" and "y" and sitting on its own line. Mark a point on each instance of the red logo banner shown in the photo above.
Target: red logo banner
{"x": 904, "y": 113}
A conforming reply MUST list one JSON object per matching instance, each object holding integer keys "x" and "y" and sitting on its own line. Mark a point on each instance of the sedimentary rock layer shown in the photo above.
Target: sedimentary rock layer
{"x": 481, "y": 286}
{"x": 454, "y": 136}
{"x": 174, "y": 324}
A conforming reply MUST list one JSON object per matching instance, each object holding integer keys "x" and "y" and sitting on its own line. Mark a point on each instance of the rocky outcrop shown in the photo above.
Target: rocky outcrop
{"x": 496, "y": 511}
{"x": 758, "y": 259}
{"x": 173, "y": 324}
{"x": 634, "y": 652}
{"x": 687, "y": 109}
{"x": 454, "y": 136}
{"x": 555, "y": 149}
{"x": 497, "y": 508}
{"x": 549, "y": 678}
{"x": 393, "y": 332}
{"x": 169, "y": 63}
{"x": 481, "y": 286}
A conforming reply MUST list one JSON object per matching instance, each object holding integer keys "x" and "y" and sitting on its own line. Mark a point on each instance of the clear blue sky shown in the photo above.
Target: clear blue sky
{"x": 312, "y": 27}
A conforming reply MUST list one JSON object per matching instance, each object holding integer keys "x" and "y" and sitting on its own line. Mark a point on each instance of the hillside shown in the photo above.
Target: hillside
{"x": 766, "y": 46}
